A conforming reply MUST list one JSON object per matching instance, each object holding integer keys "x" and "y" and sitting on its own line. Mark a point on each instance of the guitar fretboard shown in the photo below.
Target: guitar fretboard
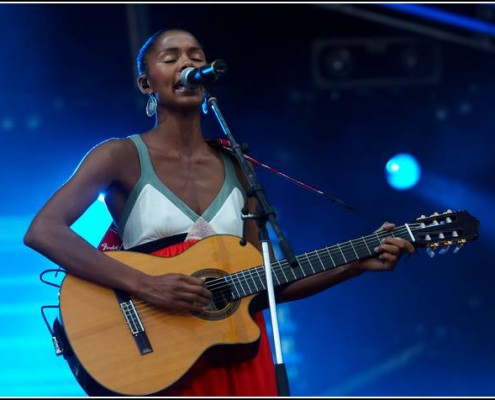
{"x": 253, "y": 280}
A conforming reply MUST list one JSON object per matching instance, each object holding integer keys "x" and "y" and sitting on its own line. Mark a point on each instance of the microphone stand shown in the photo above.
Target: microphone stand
{"x": 264, "y": 213}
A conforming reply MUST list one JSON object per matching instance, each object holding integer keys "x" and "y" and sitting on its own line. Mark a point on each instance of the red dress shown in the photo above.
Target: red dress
{"x": 255, "y": 377}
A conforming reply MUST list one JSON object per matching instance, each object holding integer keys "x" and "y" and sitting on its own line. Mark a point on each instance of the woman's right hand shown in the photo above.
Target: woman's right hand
{"x": 175, "y": 292}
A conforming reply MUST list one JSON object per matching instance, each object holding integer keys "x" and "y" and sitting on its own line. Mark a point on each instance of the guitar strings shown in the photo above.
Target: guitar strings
{"x": 281, "y": 269}
{"x": 151, "y": 309}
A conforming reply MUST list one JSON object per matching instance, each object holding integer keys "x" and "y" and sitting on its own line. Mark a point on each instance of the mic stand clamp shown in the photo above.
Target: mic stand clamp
{"x": 265, "y": 213}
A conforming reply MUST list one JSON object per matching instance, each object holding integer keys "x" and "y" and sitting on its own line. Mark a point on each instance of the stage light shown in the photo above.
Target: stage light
{"x": 351, "y": 62}
{"x": 402, "y": 171}
{"x": 449, "y": 18}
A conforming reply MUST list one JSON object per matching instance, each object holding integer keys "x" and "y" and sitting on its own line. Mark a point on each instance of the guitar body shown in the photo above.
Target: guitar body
{"x": 105, "y": 345}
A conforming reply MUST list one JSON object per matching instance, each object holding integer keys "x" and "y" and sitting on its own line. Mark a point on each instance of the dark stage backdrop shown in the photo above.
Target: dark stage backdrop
{"x": 326, "y": 95}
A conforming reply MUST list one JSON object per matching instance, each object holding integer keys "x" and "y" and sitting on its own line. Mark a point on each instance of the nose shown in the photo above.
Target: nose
{"x": 186, "y": 64}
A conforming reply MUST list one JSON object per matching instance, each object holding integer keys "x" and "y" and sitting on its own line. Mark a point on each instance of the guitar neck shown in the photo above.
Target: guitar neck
{"x": 253, "y": 280}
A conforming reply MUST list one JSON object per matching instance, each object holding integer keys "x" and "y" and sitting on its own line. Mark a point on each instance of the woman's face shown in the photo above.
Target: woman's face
{"x": 173, "y": 52}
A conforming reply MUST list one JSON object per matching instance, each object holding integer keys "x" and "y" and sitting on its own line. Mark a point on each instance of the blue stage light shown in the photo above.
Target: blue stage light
{"x": 402, "y": 171}
{"x": 450, "y": 18}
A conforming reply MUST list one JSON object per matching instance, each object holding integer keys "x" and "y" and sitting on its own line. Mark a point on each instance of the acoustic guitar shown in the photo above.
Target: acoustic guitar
{"x": 134, "y": 348}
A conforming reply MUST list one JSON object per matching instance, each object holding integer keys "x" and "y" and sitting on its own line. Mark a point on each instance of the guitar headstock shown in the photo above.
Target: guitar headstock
{"x": 442, "y": 231}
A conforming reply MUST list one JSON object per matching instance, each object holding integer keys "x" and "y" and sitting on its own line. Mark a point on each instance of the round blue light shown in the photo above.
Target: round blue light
{"x": 402, "y": 171}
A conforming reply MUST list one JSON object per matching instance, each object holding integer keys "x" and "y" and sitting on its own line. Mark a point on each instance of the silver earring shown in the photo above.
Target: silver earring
{"x": 151, "y": 105}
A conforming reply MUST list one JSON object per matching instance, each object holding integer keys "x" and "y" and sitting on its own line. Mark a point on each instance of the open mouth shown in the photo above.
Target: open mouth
{"x": 179, "y": 87}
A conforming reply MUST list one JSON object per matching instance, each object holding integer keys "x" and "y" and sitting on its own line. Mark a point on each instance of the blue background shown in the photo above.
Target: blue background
{"x": 425, "y": 329}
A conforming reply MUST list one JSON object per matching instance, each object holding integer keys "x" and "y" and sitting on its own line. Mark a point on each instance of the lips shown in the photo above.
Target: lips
{"x": 179, "y": 87}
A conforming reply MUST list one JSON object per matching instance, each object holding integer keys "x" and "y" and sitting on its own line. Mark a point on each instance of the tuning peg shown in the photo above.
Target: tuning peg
{"x": 445, "y": 249}
{"x": 460, "y": 243}
{"x": 430, "y": 252}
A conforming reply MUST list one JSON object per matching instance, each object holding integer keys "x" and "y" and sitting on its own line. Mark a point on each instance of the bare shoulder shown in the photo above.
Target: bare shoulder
{"x": 109, "y": 159}
{"x": 113, "y": 151}
{"x": 115, "y": 147}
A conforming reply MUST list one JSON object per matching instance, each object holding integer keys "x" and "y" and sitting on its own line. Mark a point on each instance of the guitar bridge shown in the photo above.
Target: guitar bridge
{"x": 136, "y": 328}
{"x": 131, "y": 316}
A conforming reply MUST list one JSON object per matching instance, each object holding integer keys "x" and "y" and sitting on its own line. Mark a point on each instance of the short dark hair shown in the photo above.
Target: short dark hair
{"x": 141, "y": 60}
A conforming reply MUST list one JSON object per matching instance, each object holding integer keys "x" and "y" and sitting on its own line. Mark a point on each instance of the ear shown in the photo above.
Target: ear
{"x": 143, "y": 84}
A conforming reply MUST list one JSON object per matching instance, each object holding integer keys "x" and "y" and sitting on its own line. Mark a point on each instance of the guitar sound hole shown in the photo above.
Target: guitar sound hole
{"x": 221, "y": 297}
{"x": 223, "y": 305}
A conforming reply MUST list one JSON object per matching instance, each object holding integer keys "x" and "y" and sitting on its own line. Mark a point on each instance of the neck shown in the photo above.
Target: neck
{"x": 179, "y": 131}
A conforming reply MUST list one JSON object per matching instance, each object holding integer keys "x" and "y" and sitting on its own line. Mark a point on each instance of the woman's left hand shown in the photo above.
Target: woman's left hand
{"x": 388, "y": 252}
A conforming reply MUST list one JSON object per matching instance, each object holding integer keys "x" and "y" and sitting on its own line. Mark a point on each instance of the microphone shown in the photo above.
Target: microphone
{"x": 193, "y": 77}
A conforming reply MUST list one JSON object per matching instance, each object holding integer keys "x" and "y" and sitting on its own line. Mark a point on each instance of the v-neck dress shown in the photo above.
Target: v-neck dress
{"x": 154, "y": 212}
